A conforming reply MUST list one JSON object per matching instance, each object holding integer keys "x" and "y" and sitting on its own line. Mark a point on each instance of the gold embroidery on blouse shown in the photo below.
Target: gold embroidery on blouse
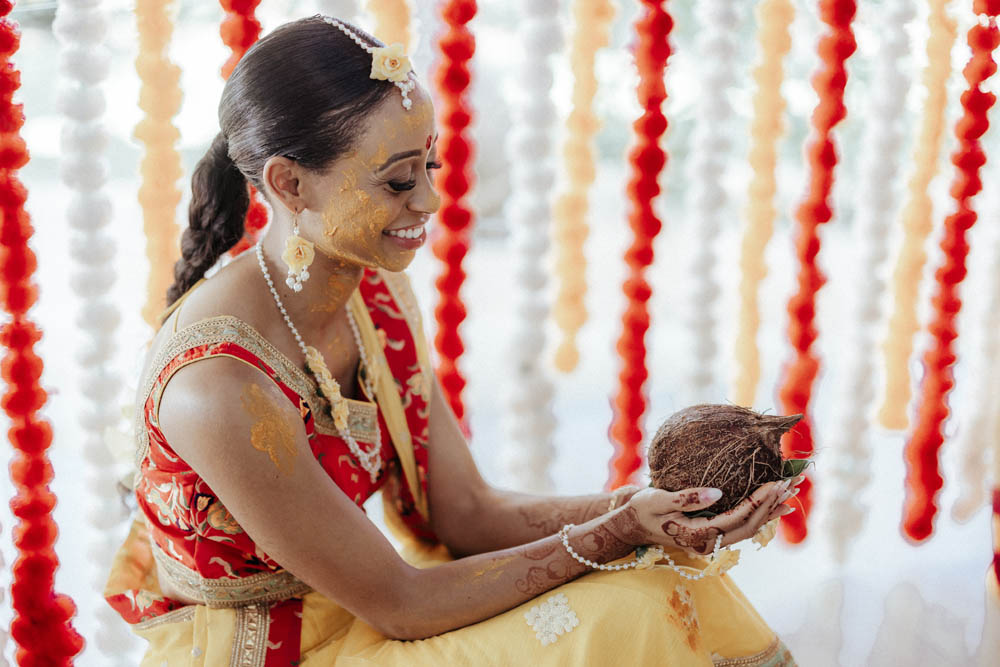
{"x": 250, "y": 639}
{"x": 363, "y": 417}
{"x": 226, "y": 592}
{"x": 185, "y": 613}
{"x": 271, "y": 432}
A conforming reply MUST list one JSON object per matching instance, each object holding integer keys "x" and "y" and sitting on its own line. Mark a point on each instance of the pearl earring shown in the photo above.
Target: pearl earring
{"x": 298, "y": 256}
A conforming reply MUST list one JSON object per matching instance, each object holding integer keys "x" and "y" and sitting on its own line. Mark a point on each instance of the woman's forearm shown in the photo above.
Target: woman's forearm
{"x": 472, "y": 589}
{"x": 506, "y": 518}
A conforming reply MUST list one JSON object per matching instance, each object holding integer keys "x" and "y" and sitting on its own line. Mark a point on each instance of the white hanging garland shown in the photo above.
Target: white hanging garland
{"x": 878, "y": 204}
{"x": 528, "y": 455}
{"x": 81, "y": 27}
{"x": 711, "y": 151}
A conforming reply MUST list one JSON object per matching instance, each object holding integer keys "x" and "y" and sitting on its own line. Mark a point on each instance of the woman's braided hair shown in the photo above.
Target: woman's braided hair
{"x": 302, "y": 92}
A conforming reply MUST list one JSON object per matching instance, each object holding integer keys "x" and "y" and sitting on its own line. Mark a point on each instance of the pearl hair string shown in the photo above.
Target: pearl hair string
{"x": 658, "y": 551}
{"x": 405, "y": 85}
{"x": 878, "y": 197}
{"x": 81, "y": 28}
{"x": 371, "y": 460}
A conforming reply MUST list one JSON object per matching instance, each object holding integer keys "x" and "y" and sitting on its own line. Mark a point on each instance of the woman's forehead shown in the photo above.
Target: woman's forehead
{"x": 392, "y": 129}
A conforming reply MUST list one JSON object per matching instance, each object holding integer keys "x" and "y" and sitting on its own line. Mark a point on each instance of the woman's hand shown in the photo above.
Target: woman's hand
{"x": 653, "y": 516}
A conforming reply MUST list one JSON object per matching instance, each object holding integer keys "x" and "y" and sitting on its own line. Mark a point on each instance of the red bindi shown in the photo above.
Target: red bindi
{"x": 428, "y": 144}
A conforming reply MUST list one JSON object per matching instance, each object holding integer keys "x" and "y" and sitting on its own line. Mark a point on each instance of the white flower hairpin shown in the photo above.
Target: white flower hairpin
{"x": 389, "y": 63}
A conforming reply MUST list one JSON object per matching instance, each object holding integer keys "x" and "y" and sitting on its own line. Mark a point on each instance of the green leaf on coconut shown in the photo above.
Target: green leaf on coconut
{"x": 794, "y": 467}
{"x": 641, "y": 551}
{"x": 698, "y": 513}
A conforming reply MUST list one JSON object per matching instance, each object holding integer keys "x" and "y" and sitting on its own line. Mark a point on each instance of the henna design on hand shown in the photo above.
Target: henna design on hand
{"x": 549, "y": 516}
{"x": 690, "y": 498}
{"x": 627, "y": 527}
{"x": 699, "y": 540}
{"x": 540, "y": 579}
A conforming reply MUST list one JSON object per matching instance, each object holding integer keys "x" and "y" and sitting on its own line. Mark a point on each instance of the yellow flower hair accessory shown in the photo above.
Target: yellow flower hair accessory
{"x": 389, "y": 63}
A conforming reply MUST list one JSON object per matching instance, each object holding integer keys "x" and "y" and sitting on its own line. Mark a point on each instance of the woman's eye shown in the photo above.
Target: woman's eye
{"x": 402, "y": 186}
{"x": 433, "y": 165}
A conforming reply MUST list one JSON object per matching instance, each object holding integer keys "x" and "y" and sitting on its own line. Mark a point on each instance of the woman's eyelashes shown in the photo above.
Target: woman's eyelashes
{"x": 403, "y": 186}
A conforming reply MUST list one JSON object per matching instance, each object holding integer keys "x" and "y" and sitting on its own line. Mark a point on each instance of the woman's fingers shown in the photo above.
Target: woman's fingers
{"x": 749, "y": 528}
{"x": 766, "y": 496}
{"x": 688, "y": 500}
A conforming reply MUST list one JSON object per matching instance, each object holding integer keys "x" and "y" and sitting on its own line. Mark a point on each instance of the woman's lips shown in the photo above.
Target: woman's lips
{"x": 408, "y": 243}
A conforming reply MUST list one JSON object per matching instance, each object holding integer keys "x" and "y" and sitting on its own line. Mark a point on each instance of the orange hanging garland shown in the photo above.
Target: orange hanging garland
{"x": 923, "y": 477}
{"x": 835, "y": 47}
{"x": 647, "y": 160}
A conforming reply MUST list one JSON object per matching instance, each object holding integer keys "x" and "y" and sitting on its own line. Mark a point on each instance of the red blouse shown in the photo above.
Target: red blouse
{"x": 198, "y": 545}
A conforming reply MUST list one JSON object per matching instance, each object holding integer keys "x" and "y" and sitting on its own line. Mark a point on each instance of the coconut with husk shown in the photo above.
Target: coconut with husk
{"x": 728, "y": 447}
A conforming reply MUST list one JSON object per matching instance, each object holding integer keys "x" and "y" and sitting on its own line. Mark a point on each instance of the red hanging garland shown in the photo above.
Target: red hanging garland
{"x": 451, "y": 245}
{"x": 923, "y": 478}
{"x": 239, "y": 30}
{"x": 835, "y": 47}
{"x": 41, "y": 625}
{"x": 647, "y": 160}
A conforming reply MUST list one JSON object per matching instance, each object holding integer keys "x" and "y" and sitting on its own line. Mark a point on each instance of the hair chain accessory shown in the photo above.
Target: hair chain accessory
{"x": 298, "y": 255}
{"x": 389, "y": 63}
{"x": 371, "y": 460}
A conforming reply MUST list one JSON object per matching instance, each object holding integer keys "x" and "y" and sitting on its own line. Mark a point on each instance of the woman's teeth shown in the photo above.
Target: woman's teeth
{"x": 412, "y": 233}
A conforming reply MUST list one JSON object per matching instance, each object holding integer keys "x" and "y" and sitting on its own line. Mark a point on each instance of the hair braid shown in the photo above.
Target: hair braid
{"x": 219, "y": 202}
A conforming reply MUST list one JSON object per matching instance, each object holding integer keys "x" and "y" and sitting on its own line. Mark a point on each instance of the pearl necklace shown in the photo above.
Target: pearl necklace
{"x": 371, "y": 460}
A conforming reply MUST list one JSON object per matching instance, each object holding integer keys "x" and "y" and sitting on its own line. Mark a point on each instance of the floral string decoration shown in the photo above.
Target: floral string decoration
{"x": 798, "y": 376}
{"x": 591, "y": 33}
{"x": 159, "y": 194}
{"x": 877, "y": 203}
{"x": 976, "y": 440}
{"x": 41, "y": 624}
{"x": 392, "y": 21}
{"x": 530, "y": 423}
{"x": 923, "y": 477}
{"x": 451, "y": 243}
{"x": 916, "y": 219}
{"x": 647, "y": 160}
{"x": 773, "y": 43}
{"x": 81, "y": 27}
{"x": 708, "y": 202}
{"x": 239, "y": 30}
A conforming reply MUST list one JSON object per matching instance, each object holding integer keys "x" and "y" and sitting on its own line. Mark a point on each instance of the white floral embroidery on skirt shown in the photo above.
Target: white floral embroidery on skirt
{"x": 551, "y": 619}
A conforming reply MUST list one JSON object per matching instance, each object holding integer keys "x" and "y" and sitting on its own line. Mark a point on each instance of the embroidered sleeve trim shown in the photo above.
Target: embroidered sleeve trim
{"x": 775, "y": 655}
{"x": 230, "y": 329}
{"x": 225, "y": 592}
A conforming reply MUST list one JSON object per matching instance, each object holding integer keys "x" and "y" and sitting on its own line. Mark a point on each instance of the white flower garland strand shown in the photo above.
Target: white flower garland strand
{"x": 979, "y": 430}
{"x": 528, "y": 455}
{"x": 708, "y": 202}
{"x": 81, "y": 27}
{"x": 878, "y": 207}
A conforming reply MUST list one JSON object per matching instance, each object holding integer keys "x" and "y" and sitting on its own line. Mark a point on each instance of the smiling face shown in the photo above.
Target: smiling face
{"x": 372, "y": 205}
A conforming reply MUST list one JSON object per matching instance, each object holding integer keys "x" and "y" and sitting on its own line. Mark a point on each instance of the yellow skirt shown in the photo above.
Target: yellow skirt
{"x": 651, "y": 616}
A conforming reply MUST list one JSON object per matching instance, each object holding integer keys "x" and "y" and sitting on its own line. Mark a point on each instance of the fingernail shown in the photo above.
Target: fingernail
{"x": 783, "y": 484}
{"x": 711, "y": 495}
{"x": 788, "y": 509}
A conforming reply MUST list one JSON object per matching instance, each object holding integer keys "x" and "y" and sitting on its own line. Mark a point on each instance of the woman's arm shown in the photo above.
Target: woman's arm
{"x": 255, "y": 457}
{"x": 472, "y": 517}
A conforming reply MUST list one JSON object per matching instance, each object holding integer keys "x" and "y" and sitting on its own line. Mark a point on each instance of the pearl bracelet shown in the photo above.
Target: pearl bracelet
{"x": 564, "y": 538}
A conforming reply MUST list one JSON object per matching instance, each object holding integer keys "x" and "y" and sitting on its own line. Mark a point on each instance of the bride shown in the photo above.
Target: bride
{"x": 285, "y": 390}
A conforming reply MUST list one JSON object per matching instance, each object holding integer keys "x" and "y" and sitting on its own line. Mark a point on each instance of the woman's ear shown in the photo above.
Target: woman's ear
{"x": 281, "y": 181}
